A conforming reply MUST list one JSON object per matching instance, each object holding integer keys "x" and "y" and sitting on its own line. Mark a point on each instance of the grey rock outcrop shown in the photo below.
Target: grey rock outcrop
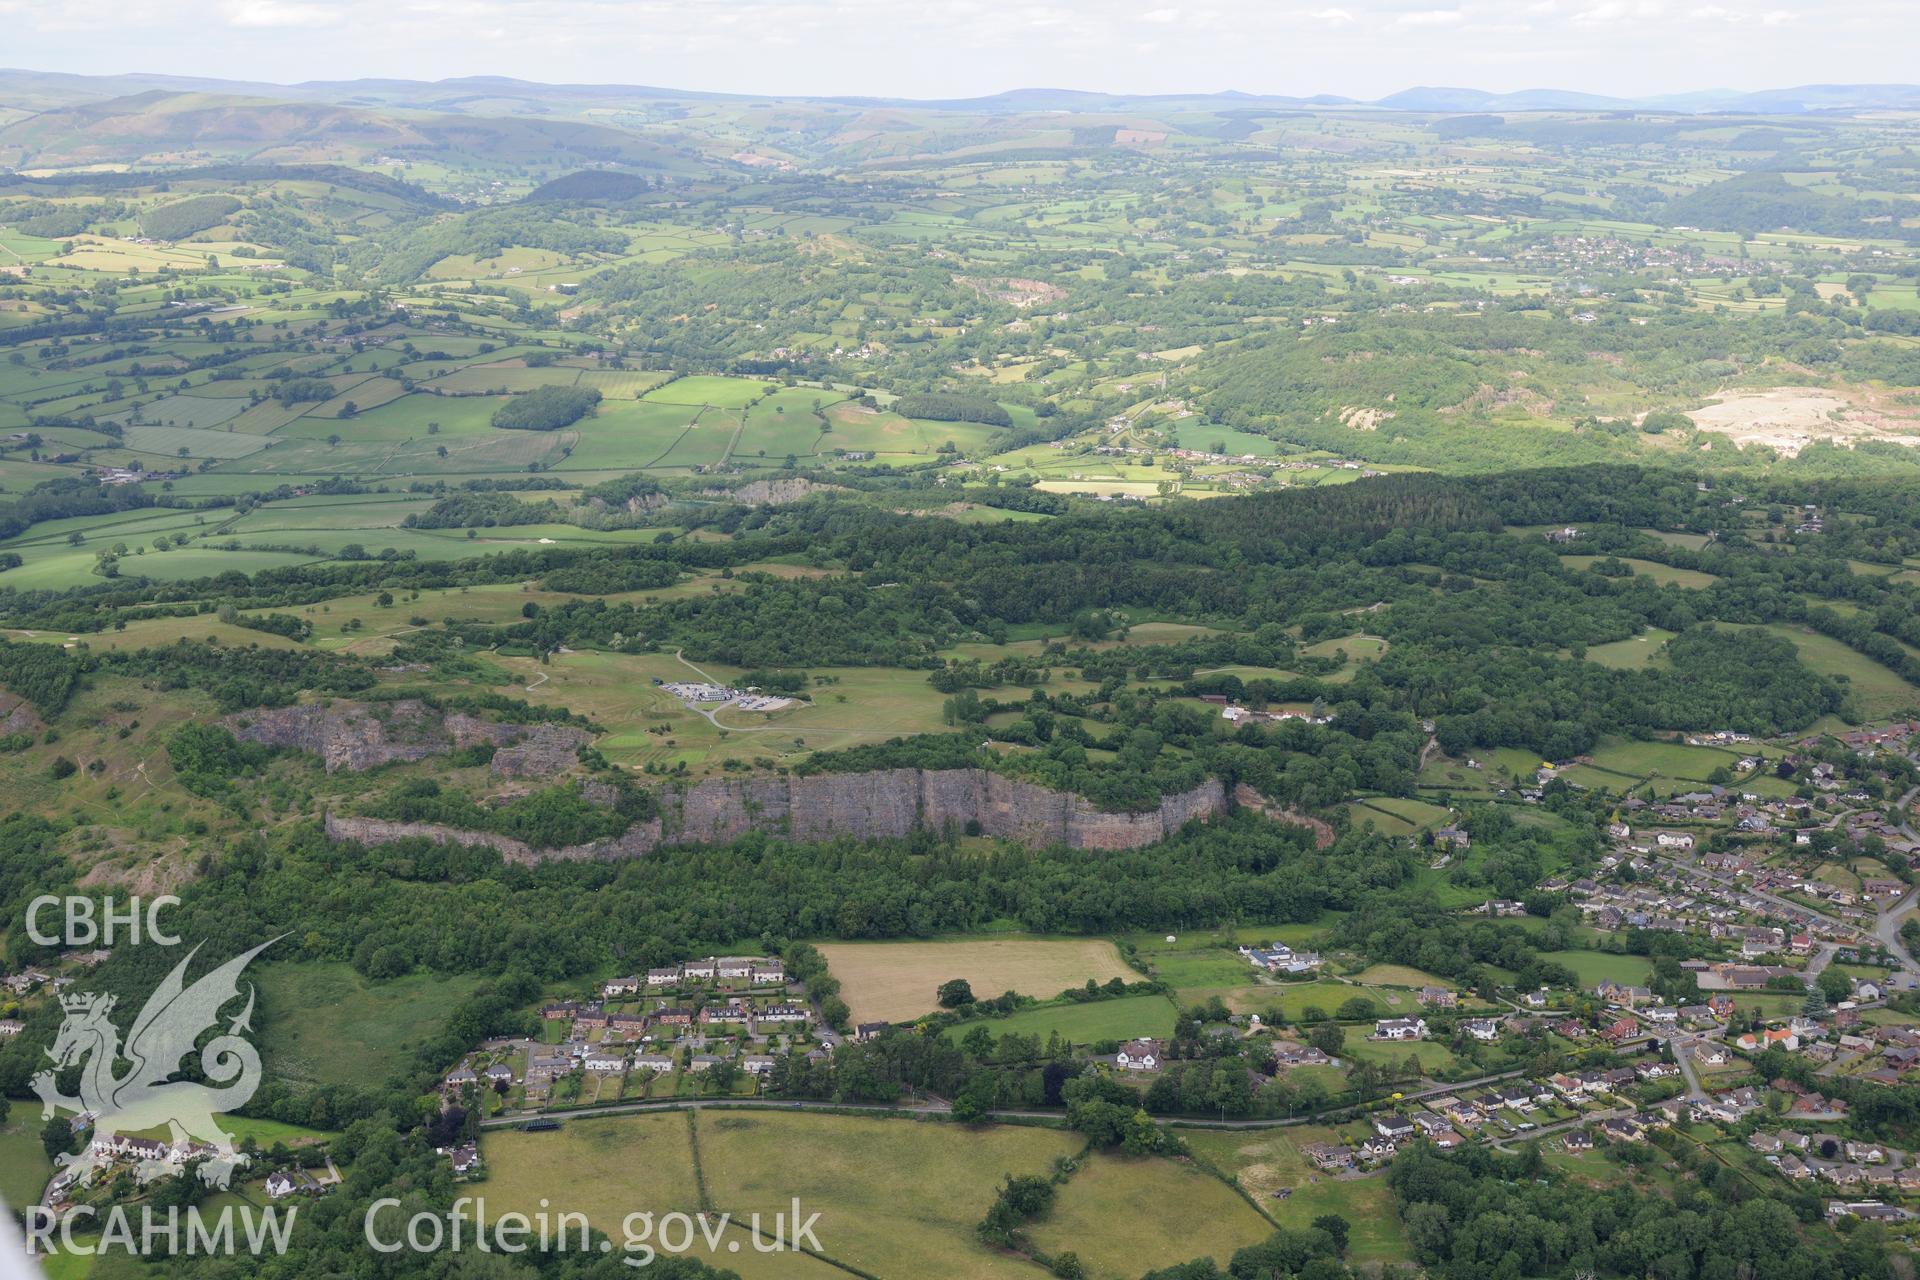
{"x": 878, "y": 804}
{"x": 360, "y": 735}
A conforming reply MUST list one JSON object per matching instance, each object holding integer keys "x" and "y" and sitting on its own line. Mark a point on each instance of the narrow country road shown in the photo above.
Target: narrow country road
{"x": 1683, "y": 1054}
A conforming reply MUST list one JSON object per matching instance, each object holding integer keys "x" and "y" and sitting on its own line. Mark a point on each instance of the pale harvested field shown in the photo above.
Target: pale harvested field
{"x": 896, "y": 981}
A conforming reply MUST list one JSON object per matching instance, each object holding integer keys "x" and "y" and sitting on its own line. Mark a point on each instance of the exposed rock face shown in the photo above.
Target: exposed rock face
{"x": 882, "y": 803}
{"x": 359, "y": 735}
{"x": 776, "y": 492}
{"x": 1247, "y": 798}
{"x": 18, "y": 716}
{"x": 542, "y": 751}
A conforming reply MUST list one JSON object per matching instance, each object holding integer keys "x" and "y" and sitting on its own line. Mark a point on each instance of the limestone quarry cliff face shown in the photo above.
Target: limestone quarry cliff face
{"x": 877, "y": 804}
{"x": 359, "y": 735}
{"x": 775, "y": 492}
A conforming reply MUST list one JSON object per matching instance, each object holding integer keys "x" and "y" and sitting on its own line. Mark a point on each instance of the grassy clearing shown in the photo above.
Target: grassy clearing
{"x": 896, "y": 981}
{"x": 1633, "y": 653}
{"x": 1595, "y": 967}
{"x": 1084, "y": 1024}
{"x": 1666, "y": 759}
{"x": 1387, "y": 824}
{"x": 1125, "y": 1216}
{"x": 325, "y": 1024}
{"x": 1664, "y": 574}
{"x": 1399, "y": 975}
{"x": 1358, "y": 648}
{"x": 1289, "y": 1000}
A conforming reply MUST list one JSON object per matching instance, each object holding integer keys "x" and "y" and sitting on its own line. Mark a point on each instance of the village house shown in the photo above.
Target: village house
{"x": 784, "y": 1013}
{"x": 1389, "y": 1124}
{"x": 1867, "y": 1211}
{"x": 1329, "y": 1157}
{"x": 1621, "y": 1030}
{"x": 1400, "y": 1029}
{"x": 1301, "y": 1056}
{"x": 1768, "y": 1038}
{"x": 1438, "y": 998}
{"x": 1626, "y": 997}
{"x": 1141, "y": 1055}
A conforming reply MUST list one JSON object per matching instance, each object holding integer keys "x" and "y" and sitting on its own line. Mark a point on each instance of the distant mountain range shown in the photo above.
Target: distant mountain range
{"x": 502, "y": 95}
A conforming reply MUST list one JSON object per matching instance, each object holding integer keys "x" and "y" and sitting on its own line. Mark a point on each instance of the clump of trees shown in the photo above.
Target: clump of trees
{"x": 946, "y": 406}
{"x": 183, "y": 218}
{"x": 546, "y": 409}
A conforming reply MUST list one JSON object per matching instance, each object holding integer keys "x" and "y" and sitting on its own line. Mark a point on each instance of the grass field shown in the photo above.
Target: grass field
{"x": 897, "y": 1198}
{"x": 607, "y": 1167}
{"x": 864, "y": 704}
{"x": 1634, "y": 760}
{"x": 1266, "y": 1162}
{"x": 1665, "y": 575}
{"x": 1595, "y": 967}
{"x": 896, "y": 981}
{"x": 1643, "y": 650}
{"x": 1126, "y": 1216}
{"x": 325, "y": 1024}
{"x": 610, "y": 1167}
{"x": 1399, "y": 975}
{"x": 1083, "y": 1024}
{"x": 24, "y": 1167}
{"x": 1397, "y": 816}
{"x": 1882, "y": 693}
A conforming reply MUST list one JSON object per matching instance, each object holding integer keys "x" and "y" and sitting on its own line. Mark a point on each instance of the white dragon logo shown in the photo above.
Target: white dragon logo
{"x": 145, "y": 1098}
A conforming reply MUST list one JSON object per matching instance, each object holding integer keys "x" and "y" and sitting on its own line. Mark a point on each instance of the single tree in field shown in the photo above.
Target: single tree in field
{"x": 954, "y": 993}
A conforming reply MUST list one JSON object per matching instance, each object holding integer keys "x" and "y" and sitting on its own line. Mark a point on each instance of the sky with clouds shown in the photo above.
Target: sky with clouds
{"x": 950, "y": 48}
